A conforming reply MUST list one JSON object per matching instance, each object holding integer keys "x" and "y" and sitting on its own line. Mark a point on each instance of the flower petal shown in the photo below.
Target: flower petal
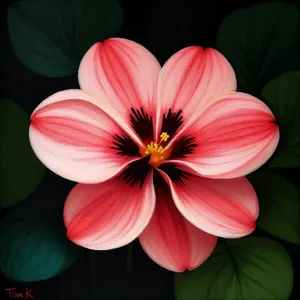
{"x": 234, "y": 137}
{"x": 108, "y": 215}
{"x": 191, "y": 80}
{"x": 170, "y": 240}
{"x": 122, "y": 75}
{"x": 74, "y": 138}
{"x": 226, "y": 208}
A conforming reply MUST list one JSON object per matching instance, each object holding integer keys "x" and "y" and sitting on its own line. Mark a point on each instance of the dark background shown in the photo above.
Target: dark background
{"x": 164, "y": 27}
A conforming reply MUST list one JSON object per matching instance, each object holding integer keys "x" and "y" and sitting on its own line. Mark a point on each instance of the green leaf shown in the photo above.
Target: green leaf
{"x": 279, "y": 203}
{"x": 260, "y": 42}
{"x": 21, "y": 172}
{"x": 33, "y": 238}
{"x": 282, "y": 95}
{"x": 50, "y": 37}
{"x": 251, "y": 268}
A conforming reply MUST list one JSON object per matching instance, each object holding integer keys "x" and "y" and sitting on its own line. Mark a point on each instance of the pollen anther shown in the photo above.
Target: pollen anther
{"x": 153, "y": 147}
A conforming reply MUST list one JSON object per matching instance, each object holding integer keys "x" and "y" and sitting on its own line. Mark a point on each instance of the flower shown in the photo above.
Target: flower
{"x": 159, "y": 152}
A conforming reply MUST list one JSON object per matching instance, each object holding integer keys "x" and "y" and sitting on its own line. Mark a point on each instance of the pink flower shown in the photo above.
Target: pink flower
{"x": 159, "y": 152}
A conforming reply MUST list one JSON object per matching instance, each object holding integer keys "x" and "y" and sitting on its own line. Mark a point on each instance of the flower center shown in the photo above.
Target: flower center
{"x": 157, "y": 152}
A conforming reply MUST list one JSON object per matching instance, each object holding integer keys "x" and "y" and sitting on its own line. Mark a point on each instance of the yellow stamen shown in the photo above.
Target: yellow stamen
{"x": 157, "y": 152}
{"x": 153, "y": 147}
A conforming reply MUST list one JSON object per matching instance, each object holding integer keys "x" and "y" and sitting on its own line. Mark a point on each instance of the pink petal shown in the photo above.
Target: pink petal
{"x": 73, "y": 138}
{"x": 226, "y": 208}
{"x": 108, "y": 215}
{"x": 234, "y": 137}
{"x": 170, "y": 240}
{"x": 191, "y": 80}
{"x": 122, "y": 75}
